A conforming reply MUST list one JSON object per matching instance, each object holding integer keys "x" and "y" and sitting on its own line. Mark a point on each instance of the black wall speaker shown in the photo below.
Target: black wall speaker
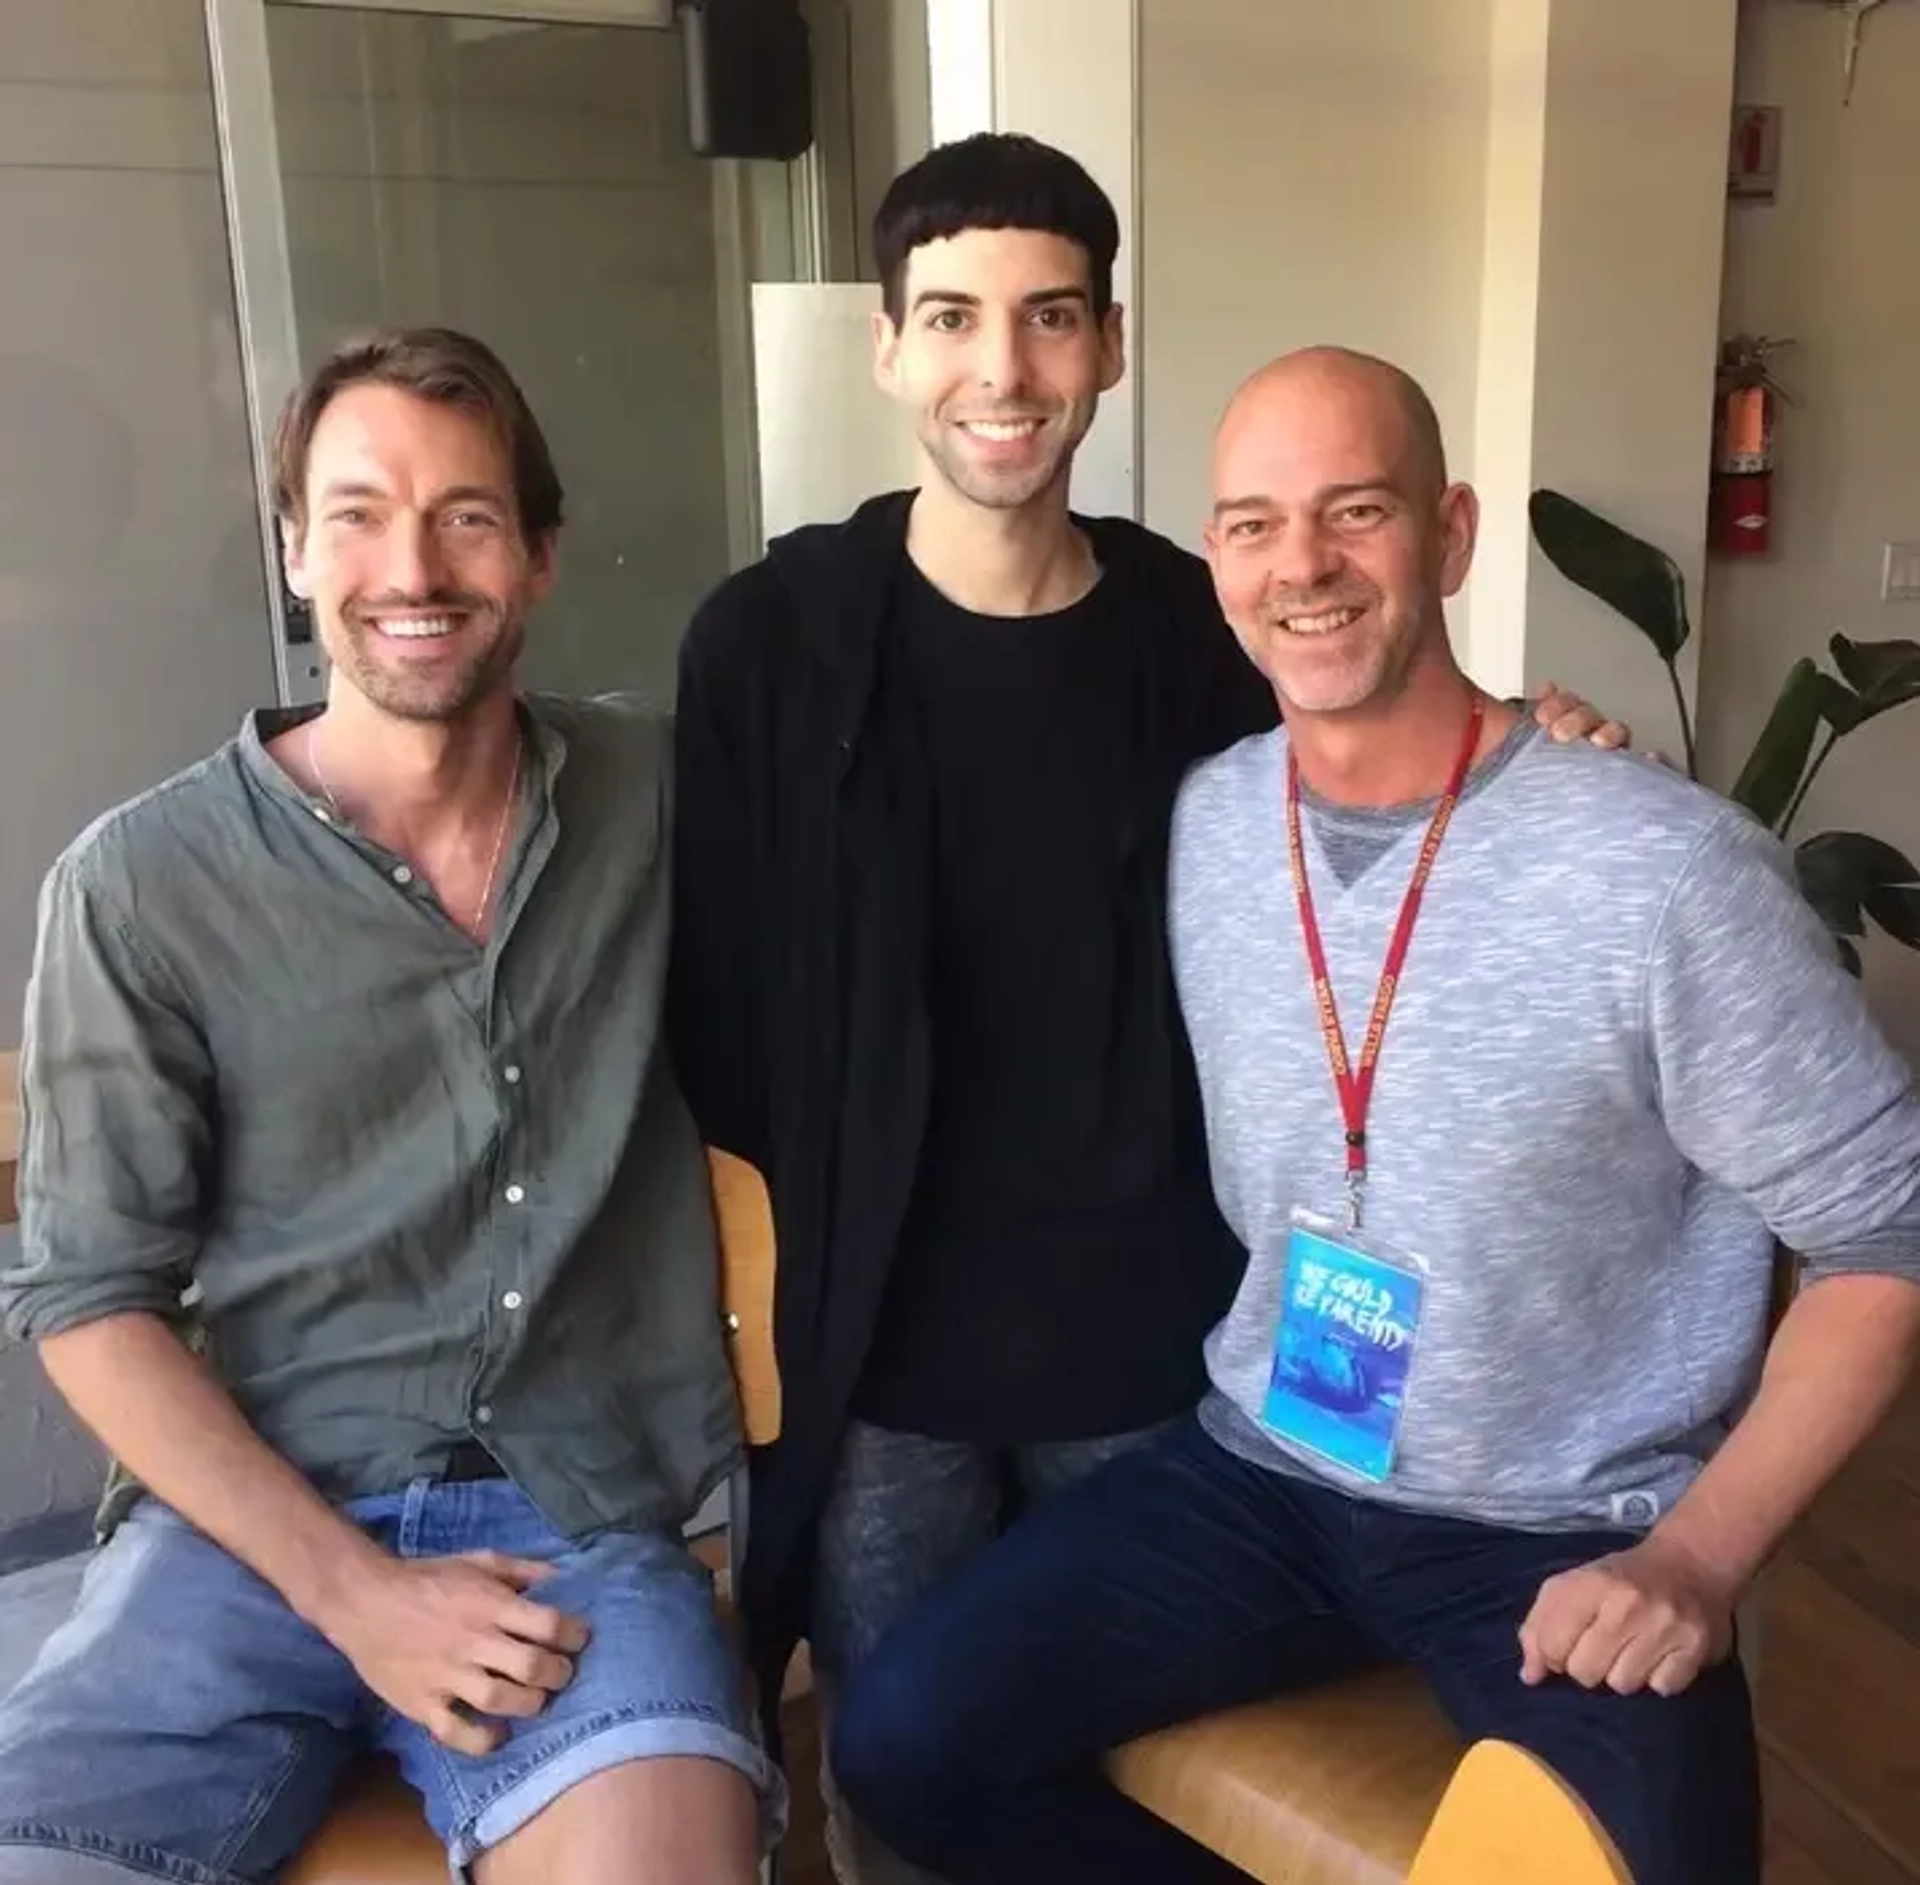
{"x": 749, "y": 78}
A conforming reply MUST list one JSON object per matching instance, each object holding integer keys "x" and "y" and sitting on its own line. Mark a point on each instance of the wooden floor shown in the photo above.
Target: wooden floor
{"x": 1840, "y": 1677}
{"x": 803, "y": 1858}
{"x": 1839, "y": 1688}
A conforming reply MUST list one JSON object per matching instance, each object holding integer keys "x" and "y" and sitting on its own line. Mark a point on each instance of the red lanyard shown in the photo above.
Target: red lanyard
{"x": 1355, "y": 1084}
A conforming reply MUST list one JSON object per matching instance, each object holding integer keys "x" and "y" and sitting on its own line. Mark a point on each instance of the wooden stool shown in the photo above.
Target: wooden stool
{"x": 1508, "y": 1819}
{"x": 377, "y": 1836}
{"x": 1334, "y": 1786}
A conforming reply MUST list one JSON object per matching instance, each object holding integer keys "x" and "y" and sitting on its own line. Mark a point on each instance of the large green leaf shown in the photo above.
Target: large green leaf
{"x": 1644, "y": 584}
{"x": 1883, "y": 674}
{"x": 1848, "y": 877}
{"x": 1896, "y": 908}
{"x": 1779, "y": 758}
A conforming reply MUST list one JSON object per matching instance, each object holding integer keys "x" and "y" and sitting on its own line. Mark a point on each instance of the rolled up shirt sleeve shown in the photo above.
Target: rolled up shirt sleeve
{"x": 118, "y": 1093}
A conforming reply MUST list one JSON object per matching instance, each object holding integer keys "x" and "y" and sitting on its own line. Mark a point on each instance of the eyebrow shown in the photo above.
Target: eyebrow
{"x": 953, "y": 298}
{"x": 458, "y": 494}
{"x": 1333, "y": 494}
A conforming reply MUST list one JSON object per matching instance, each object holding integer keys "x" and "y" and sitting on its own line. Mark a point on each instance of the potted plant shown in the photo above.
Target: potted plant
{"x": 1848, "y": 876}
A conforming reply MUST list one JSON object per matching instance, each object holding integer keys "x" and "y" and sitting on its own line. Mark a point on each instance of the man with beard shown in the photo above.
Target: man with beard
{"x": 928, "y": 760}
{"x": 347, "y": 1038}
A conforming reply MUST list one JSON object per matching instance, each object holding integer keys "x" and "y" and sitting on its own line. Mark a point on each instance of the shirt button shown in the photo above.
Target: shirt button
{"x": 483, "y": 1415}
{"x": 512, "y": 1299}
{"x": 402, "y": 875}
{"x": 516, "y": 1194}
{"x": 511, "y": 1075}
{"x": 324, "y": 816}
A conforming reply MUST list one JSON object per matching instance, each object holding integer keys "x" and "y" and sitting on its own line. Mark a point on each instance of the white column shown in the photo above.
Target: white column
{"x": 1495, "y": 651}
{"x": 1065, "y": 71}
{"x": 1600, "y": 310}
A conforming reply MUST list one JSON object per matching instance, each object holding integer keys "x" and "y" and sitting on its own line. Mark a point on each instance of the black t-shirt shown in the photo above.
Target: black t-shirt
{"x": 1038, "y": 1292}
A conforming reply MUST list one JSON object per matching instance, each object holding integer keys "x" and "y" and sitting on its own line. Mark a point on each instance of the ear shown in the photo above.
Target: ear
{"x": 886, "y": 352}
{"x": 293, "y": 558}
{"x": 1210, "y": 541}
{"x": 1459, "y": 533}
{"x": 1113, "y": 347}
{"x": 542, "y": 555}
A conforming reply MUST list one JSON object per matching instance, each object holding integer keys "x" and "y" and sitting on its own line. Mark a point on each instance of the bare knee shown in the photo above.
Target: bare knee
{"x": 673, "y": 1820}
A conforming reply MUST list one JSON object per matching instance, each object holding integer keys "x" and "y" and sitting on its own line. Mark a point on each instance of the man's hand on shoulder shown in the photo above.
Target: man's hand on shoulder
{"x": 1567, "y": 717}
{"x": 1650, "y": 1617}
{"x": 454, "y": 1643}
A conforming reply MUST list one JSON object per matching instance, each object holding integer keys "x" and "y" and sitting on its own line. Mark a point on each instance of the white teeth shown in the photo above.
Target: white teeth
{"x": 416, "y": 627}
{"x": 1003, "y": 429}
{"x": 1328, "y": 623}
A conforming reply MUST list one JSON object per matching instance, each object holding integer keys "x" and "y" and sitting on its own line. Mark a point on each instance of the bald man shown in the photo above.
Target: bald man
{"x": 1494, "y": 1397}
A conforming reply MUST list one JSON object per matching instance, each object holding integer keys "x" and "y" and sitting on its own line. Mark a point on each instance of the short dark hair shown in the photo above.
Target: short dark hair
{"x": 433, "y": 363}
{"x": 993, "y": 180}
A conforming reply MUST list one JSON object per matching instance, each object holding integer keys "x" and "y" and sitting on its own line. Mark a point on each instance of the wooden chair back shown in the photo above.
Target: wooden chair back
{"x": 743, "y": 1215}
{"x": 9, "y": 1134}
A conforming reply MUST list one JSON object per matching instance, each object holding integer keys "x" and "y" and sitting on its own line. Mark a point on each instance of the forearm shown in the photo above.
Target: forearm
{"x": 1841, "y": 1355}
{"x": 163, "y": 1415}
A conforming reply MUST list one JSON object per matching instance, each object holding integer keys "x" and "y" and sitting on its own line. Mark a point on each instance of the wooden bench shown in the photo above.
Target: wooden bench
{"x": 1342, "y": 1785}
{"x": 1337, "y": 1786}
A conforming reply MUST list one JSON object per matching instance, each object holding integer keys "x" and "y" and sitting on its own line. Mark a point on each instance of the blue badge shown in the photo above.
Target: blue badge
{"x": 1348, "y": 1324}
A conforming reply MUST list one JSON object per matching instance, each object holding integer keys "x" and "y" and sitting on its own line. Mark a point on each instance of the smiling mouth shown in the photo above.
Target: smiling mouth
{"x": 416, "y": 627}
{"x": 1001, "y": 431}
{"x": 1321, "y": 622}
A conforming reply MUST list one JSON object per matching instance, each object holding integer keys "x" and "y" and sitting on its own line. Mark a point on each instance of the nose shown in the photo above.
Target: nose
{"x": 1303, "y": 556}
{"x": 1000, "y": 357}
{"x": 412, "y": 564}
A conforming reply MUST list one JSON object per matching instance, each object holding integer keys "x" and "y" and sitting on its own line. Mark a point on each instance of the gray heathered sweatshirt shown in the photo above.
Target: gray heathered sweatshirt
{"x": 1622, "y": 1059}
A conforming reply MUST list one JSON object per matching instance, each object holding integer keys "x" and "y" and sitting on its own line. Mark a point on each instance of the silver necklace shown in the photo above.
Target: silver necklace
{"x": 499, "y": 832}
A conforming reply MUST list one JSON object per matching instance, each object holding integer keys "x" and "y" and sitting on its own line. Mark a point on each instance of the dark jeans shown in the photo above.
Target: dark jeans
{"x": 1181, "y": 1579}
{"x": 904, "y": 1514}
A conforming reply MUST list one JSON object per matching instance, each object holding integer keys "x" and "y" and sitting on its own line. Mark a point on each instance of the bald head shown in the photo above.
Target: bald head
{"x": 1386, "y": 400}
{"x": 1335, "y": 536}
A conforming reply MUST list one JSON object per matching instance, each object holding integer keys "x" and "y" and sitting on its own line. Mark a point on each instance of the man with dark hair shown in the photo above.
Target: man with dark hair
{"x": 363, "y": 1221}
{"x": 927, "y": 763}
{"x": 1495, "y": 1396}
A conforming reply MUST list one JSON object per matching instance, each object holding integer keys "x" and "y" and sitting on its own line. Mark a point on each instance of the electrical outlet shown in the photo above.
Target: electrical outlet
{"x": 1900, "y": 573}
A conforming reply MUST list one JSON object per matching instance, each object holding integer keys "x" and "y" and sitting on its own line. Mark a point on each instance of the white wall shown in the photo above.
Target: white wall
{"x": 1308, "y": 173}
{"x": 1834, "y": 263}
{"x": 1517, "y": 200}
{"x": 1638, "y": 100}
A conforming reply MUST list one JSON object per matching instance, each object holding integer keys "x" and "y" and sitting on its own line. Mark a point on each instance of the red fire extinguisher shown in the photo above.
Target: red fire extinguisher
{"x": 1746, "y": 407}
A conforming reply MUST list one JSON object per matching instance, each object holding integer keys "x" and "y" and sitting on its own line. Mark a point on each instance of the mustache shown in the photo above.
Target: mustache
{"x": 1281, "y": 603}
{"x": 432, "y": 601}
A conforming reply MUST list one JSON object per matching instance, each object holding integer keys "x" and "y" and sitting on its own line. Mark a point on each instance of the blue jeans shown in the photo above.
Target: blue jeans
{"x": 1181, "y": 1579}
{"x": 184, "y": 1724}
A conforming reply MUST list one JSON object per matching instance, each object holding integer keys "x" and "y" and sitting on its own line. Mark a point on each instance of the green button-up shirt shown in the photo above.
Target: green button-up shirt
{"x": 415, "y": 1189}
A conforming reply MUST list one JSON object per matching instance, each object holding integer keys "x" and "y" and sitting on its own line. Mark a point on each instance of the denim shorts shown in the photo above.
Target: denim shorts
{"x": 185, "y": 1724}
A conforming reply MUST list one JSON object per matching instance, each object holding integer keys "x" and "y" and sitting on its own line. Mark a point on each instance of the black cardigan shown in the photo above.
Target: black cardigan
{"x": 794, "y": 997}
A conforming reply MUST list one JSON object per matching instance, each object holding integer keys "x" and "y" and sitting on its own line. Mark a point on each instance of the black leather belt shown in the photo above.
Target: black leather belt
{"x": 469, "y": 1460}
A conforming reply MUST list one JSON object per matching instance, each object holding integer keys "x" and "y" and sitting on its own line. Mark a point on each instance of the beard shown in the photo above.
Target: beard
{"x": 490, "y": 639}
{"x": 1351, "y": 667}
{"x": 1012, "y": 486}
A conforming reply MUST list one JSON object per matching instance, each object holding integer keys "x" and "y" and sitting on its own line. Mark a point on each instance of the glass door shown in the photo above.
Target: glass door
{"x": 520, "y": 169}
